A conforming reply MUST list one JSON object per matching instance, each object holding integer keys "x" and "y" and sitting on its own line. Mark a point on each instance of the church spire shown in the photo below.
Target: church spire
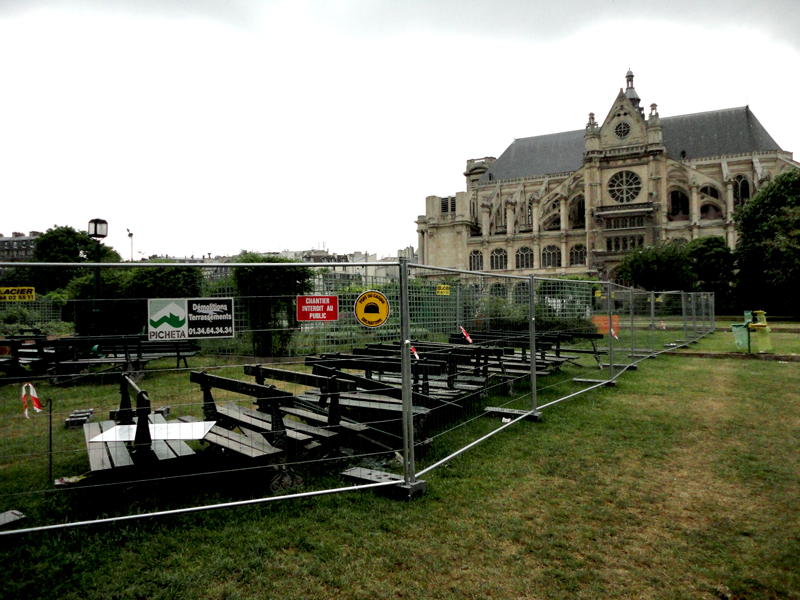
{"x": 631, "y": 94}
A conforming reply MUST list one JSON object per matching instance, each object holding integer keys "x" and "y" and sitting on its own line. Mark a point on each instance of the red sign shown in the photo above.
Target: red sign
{"x": 318, "y": 308}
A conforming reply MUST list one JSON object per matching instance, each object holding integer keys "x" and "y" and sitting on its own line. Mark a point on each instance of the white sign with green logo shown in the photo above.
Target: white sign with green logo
{"x": 193, "y": 318}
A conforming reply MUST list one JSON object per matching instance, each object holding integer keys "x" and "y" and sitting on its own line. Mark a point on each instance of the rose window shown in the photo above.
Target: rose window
{"x": 622, "y": 129}
{"x": 625, "y": 186}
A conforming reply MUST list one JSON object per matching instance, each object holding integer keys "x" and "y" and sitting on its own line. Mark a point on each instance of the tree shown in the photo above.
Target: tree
{"x": 123, "y": 307}
{"x": 711, "y": 261}
{"x": 663, "y": 267}
{"x": 63, "y": 244}
{"x": 268, "y": 297}
{"x": 768, "y": 246}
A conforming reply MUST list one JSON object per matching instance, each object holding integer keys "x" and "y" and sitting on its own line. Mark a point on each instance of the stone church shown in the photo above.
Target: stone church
{"x": 574, "y": 203}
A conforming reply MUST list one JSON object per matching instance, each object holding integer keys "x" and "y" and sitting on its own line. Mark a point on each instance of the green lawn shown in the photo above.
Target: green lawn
{"x": 682, "y": 482}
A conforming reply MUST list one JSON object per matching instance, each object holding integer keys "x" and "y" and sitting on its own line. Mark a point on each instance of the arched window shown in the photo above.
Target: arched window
{"x": 577, "y": 213}
{"x": 551, "y": 256}
{"x": 577, "y": 255}
{"x": 741, "y": 190}
{"x": 476, "y": 260}
{"x": 498, "y": 259}
{"x": 710, "y": 211}
{"x": 522, "y": 293}
{"x": 498, "y": 290}
{"x": 500, "y": 219}
{"x": 678, "y": 206}
{"x": 710, "y": 191}
{"x": 526, "y": 217}
{"x": 525, "y": 258}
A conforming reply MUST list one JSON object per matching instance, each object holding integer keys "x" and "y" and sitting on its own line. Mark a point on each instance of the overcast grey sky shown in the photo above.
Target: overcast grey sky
{"x": 219, "y": 126}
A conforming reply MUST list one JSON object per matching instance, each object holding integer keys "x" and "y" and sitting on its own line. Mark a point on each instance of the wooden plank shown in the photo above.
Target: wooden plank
{"x": 258, "y": 441}
{"x": 249, "y": 446}
{"x": 320, "y": 432}
{"x": 372, "y": 385}
{"x": 257, "y": 420}
{"x": 360, "y": 396}
{"x": 177, "y": 447}
{"x": 219, "y": 436}
{"x": 120, "y": 457}
{"x": 323, "y": 419}
{"x": 298, "y": 377}
{"x": 161, "y": 450}
{"x": 365, "y": 400}
{"x": 239, "y": 387}
{"x": 98, "y": 455}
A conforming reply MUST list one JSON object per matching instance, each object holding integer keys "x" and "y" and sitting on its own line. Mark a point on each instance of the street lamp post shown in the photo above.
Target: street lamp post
{"x": 130, "y": 235}
{"x": 98, "y": 229}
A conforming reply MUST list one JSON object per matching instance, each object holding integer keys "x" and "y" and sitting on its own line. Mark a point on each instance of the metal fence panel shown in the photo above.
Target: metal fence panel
{"x": 298, "y": 405}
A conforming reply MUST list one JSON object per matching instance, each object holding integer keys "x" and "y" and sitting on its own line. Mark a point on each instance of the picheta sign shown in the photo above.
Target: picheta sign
{"x": 318, "y": 308}
{"x": 189, "y": 319}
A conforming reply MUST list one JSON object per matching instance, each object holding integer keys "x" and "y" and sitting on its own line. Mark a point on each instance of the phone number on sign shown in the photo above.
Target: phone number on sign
{"x": 210, "y": 330}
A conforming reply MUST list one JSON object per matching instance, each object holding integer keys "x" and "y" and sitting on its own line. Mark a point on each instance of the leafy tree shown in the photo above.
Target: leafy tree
{"x": 768, "y": 246}
{"x": 713, "y": 266}
{"x": 63, "y": 244}
{"x": 123, "y": 307}
{"x": 663, "y": 267}
{"x": 164, "y": 282}
{"x": 268, "y": 297}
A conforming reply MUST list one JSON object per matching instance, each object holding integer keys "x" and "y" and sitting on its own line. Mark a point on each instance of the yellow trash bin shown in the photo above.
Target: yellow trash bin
{"x": 760, "y": 332}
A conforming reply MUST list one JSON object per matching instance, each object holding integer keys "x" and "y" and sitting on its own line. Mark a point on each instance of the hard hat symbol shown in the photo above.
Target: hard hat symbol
{"x": 372, "y": 309}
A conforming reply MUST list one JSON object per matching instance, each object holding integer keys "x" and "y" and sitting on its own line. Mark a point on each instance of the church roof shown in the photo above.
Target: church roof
{"x": 729, "y": 131}
{"x": 700, "y": 135}
{"x": 539, "y": 155}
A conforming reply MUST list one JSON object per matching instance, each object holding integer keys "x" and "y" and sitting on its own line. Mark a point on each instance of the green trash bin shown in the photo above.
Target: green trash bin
{"x": 741, "y": 335}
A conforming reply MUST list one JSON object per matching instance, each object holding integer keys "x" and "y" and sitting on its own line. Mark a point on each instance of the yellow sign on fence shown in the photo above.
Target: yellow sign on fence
{"x": 372, "y": 309}
{"x": 17, "y": 294}
{"x": 442, "y": 290}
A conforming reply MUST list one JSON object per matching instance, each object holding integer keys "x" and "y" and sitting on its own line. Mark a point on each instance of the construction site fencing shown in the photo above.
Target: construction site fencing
{"x": 322, "y": 379}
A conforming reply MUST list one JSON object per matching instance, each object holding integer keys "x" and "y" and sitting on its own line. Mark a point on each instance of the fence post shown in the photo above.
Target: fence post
{"x": 610, "y": 333}
{"x": 683, "y": 315}
{"x": 458, "y": 307}
{"x": 532, "y": 333}
{"x": 633, "y": 346}
{"x": 652, "y": 322}
{"x": 713, "y": 311}
{"x": 405, "y": 367}
{"x": 694, "y": 316}
{"x": 703, "y": 306}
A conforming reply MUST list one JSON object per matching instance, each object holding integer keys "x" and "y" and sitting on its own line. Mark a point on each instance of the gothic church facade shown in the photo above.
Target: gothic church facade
{"x": 574, "y": 203}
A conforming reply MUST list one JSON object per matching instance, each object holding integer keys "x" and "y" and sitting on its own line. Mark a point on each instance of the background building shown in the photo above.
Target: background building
{"x": 19, "y": 247}
{"x": 575, "y": 202}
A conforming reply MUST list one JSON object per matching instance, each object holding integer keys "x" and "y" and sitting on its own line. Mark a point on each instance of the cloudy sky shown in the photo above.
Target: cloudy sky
{"x": 215, "y": 126}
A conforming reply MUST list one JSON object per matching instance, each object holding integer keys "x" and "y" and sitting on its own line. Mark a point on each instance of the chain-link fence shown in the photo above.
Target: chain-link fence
{"x": 218, "y": 385}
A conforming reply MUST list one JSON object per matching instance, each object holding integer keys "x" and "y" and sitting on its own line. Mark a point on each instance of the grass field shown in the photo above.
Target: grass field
{"x": 682, "y": 482}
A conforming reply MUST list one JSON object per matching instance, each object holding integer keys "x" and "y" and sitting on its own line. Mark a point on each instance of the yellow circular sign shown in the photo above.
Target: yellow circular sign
{"x": 372, "y": 309}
